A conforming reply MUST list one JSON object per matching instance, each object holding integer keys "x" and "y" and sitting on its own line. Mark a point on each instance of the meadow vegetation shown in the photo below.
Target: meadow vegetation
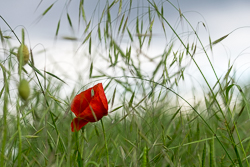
{"x": 150, "y": 122}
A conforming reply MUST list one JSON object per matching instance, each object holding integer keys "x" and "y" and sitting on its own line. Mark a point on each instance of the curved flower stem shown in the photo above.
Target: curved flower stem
{"x": 104, "y": 134}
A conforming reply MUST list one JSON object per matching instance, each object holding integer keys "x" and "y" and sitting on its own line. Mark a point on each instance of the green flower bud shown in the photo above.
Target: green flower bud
{"x": 24, "y": 89}
{"x": 24, "y": 52}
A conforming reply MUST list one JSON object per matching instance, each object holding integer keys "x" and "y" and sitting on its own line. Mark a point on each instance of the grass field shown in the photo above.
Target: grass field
{"x": 149, "y": 123}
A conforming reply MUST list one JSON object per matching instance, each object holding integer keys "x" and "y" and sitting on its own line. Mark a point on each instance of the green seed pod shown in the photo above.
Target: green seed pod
{"x": 24, "y": 52}
{"x": 24, "y": 89}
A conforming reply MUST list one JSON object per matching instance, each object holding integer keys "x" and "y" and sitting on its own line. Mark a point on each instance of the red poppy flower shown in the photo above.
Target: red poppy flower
{"x": 89, "y": 106}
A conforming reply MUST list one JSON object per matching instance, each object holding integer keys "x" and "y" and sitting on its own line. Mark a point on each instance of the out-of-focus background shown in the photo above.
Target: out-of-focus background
{"x": 209, "y": 18}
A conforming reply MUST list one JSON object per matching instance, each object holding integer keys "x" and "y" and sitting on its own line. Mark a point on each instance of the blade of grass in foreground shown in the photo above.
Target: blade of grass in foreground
{"x": 19, "y": 136}
{"x": 206, "y": 123}
{"x": 228, "y": 129}
{"x": 240, "y": 142}
{"x": 106, "y": 145}
{"x": 203, "y": 160}
{"x": 211, "y": 153}
{"x": 4, "y": 118}
{"x": 221, "y": 111}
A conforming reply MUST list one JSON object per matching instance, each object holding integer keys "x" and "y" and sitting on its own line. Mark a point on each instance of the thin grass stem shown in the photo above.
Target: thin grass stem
{"x": 105, "y": 140}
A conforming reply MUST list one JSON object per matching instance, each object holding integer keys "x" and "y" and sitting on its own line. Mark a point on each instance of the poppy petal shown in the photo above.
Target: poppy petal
{"x": 89, "y": 106}
{"x": 100, "y": 90}
{"x": 95, "y": 111}
{"x": 81, "y": 102}
{"x": 77, "y": 124}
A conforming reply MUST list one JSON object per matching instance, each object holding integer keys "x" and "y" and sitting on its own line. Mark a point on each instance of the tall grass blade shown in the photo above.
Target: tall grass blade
{"x": 219, "y": 40}
{"x": 120, "y": 7}
{"x": 204, "y": 152}
{"x": 131, "y": 100}
{"x": 19, "y": 136}
{"x": 53, "y": 75}
{"x": 91, "y": 70}
{"x": 87, "y": 37}
{"x": 90, "y": 43}
{"x": 87, "y": 27}
{"x": 145, "y": 157}
{"x": 130, "y": 35}
{"x": 58, "y": 27}
{"x": 46, "y": 11}
{"x": 121, "y": 23}
{"x": 4, "y": 119}
{"x": 69, "y": 20}
{"x": 211, "y": 153}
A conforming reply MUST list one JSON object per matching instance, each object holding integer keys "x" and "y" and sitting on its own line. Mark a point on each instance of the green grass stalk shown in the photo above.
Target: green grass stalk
{"x": 105, "y": 140}
{"x": 4, "y": 119}
{"x": 227, "y": 127}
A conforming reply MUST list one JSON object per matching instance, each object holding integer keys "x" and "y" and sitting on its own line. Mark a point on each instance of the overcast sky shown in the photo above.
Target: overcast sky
{"x": 221, "y": 17}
